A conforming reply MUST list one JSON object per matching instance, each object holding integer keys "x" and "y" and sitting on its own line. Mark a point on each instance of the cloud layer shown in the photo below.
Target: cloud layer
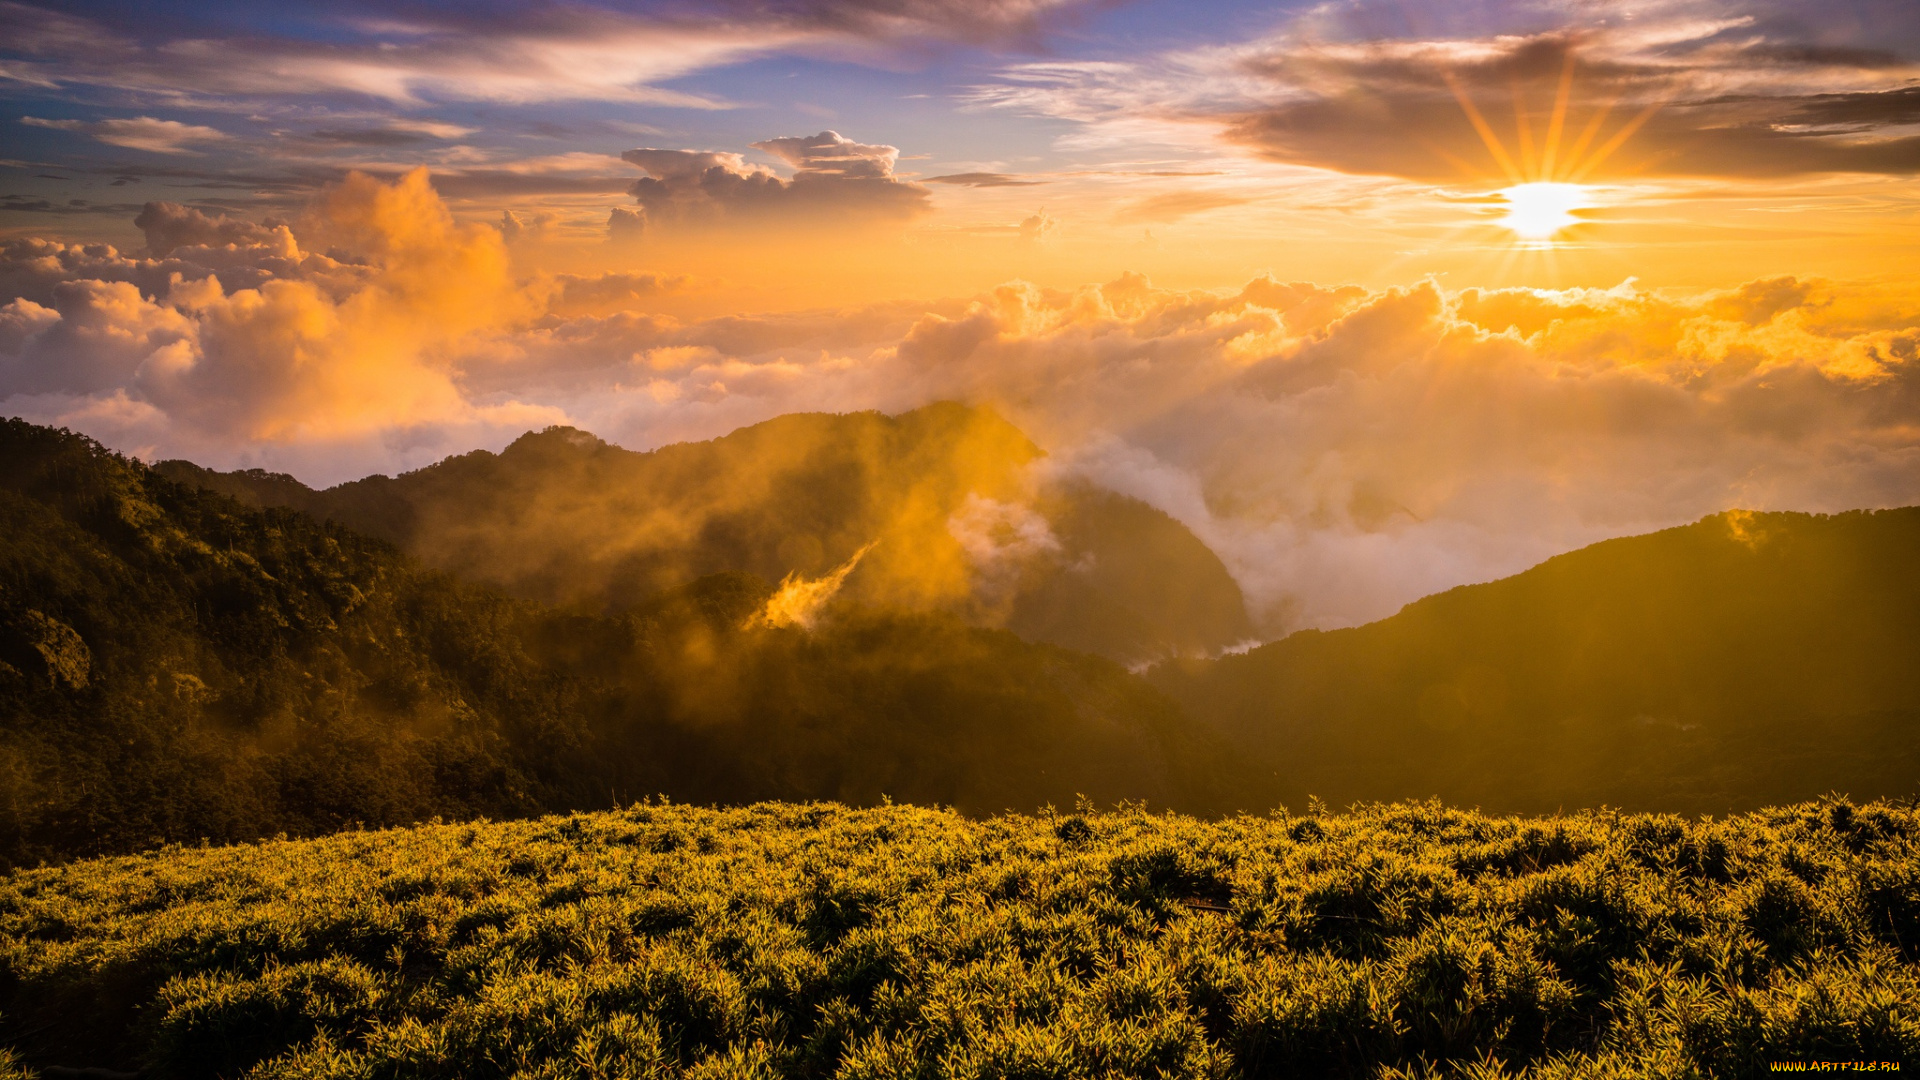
{"x": 1520, "y": 92}
{"x": 1344, "y": 449}
{"x": 836, "y": 181}
{"x": 504, "y": 53}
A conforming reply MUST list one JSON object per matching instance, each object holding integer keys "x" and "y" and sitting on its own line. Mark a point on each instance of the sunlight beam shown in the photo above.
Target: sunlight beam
{"x": 1479, "y": 122}
{"x": 1524, "y": 134}
{"x": 1619, "y": 138}
{"x": 1557, "y": 126}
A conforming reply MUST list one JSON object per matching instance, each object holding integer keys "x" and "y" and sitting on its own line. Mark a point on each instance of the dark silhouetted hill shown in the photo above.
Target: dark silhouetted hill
{"x": 943, "y": 494}
{"x": 176, "y": 666}
{"x": 1743, "y": 660}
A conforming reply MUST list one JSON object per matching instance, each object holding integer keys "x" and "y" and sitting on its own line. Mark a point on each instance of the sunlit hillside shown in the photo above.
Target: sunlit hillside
{"x": 818, "y": 941}
{"x": 942, "y": 500}
{"x": 1743, "y": 660}
{"x": 176, "y": 666}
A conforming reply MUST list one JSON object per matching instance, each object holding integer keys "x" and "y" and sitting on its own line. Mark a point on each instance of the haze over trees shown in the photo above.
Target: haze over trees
{"x": 865, "y": 607}
{"x": 942, "y": 498}
{"x": 180, "y": 666}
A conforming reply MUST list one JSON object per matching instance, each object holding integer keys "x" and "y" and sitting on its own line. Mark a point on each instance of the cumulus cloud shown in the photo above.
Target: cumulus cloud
{"x": 1348, "y": 450}
{"x": 831, "y": 155}
{"x": 327, "y": 347}
{"x": 168, "y": 226}
{"x": 625, "y": 225}
{"x": 836, "y": 181}
{"x": 1344, "y": 449}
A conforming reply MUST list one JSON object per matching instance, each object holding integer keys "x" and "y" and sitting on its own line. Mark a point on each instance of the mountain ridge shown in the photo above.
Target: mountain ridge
{"x": 944, "y": 497}
{"x": 178, "y": 666}
{"x": 1696, "y": 667}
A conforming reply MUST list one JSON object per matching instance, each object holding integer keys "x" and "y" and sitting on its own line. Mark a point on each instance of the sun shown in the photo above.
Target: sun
{"x": 1545, "y": 192}
{"x": 1537, "y": 211}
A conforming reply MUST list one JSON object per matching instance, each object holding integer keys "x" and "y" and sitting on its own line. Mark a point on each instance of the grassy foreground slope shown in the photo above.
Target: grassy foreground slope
{"x": 820, "y": 941}
{"x": 1744, "y": 660}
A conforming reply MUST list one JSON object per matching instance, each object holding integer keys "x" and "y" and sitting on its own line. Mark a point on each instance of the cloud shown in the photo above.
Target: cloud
{"x": 394, "y": 132}
{"x": 577, "y": 294}
{"x": 1701, "y": 107}
{"x": 1037, "y": 226}
{"x": 1347, "y": 451}
{"x": 831, "y": 155}
{"x": 1175, "y": 205}
{"x": 983, "y": 180}
{"x": 169, "y": 225}
{"x": 323, "y": 347}
{"x": 836, "y": 181}
{"x": 1512, "y": 91}
{"x": 139, "y": 133}
{"x": 1344, "y": 449}
{"x": 504, "y": 53}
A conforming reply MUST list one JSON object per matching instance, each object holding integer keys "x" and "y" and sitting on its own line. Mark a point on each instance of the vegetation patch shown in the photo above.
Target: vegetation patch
{"x": 1403, "y": 940}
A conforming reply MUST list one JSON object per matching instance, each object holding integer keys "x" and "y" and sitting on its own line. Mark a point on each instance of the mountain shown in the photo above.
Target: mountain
{"x": 1742, "y": 660}
{"x": 942, "y": 500}
{"x": 175, "y": 665}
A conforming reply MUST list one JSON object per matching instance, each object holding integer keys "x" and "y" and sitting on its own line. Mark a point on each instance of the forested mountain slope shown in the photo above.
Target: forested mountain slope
{"x": 1742, "y": 660}
{"x": 940, "y": 499}
{"x": 176, "y": 666}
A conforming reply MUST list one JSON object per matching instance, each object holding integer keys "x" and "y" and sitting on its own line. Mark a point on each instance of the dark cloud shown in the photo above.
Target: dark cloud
{"x": 169, "y": 225}
{"x": 835, "y": 181}
{"x": 983, "y": 179}
{"x": 1823, "y": 56}
{"x": 625, "y": 225}
{"x": 1887, "y": 107}
{"x": 578, "y": 295}
{"x": 370, "y": 136}
{"x": 26, "y": 204}
{"x": 1427, "y": 110}
{"x": 487, "y": 183}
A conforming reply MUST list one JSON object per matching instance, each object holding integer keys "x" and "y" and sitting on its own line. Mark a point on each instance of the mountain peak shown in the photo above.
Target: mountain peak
{"x": 555, "y": 440}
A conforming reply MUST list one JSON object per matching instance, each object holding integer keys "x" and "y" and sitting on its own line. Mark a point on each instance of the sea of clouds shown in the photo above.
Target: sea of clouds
{"x": 1345, "y": 450}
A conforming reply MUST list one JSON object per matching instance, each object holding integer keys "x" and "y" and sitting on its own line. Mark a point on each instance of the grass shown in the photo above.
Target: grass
{"x": 1405, "y": 940}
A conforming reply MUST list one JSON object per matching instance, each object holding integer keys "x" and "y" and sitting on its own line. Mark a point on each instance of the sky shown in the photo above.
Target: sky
{"x": 1377, "y": 297}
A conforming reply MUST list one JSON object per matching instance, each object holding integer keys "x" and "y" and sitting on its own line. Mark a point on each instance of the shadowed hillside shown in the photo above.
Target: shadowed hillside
{"x": 174, "y": 665}
{"x": 942, "y": 494}
{"x": 1742, "y": 660}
